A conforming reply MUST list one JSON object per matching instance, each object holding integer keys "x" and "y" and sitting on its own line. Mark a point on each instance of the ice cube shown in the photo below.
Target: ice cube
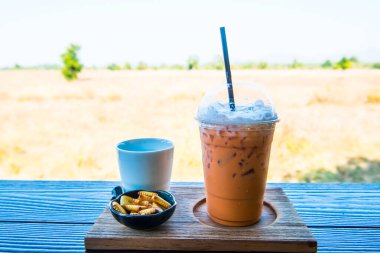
{"x": 259, "y": 103}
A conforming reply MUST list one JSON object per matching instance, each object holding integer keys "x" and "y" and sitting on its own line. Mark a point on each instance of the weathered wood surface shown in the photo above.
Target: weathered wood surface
{"x": 49, "y": 237}
{"x": 183, "y": 231}
{"x": 343, "y": 217}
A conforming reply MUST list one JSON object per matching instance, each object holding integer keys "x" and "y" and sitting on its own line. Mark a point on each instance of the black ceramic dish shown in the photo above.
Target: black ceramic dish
{"x": 142, "y": 221}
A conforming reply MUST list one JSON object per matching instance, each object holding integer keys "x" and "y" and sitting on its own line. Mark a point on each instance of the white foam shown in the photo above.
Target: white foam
{"x": 220, "y": 113}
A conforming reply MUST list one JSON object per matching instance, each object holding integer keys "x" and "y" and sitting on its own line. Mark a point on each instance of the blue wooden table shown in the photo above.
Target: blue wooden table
{"x": 54, "y": 216}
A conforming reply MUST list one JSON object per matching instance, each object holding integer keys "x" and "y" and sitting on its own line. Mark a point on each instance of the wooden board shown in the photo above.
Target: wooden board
{"x": 186, "y": 231}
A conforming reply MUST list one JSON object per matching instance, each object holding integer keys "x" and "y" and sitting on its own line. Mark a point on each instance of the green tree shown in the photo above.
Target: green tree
{"x": 353, "y": 59}
{"x": 327, "y": 64}
{"x": 142, "y": 66}
{"x": 218, "y": 63}
{"x": 376, "y": 65}
{"x": 71, "y": 65}
{"x": 246, "y": 65}
{"x": 263, "y": 65}
{"x": 17, "y": 66}
{"x": 358, "y": 169}
{"x": 295, "y": 64}
{"x": 193, "y": 63}
{"x": 127, "y": 66}
{"x": 113, "y": 66}
{"x": 344, "y": 63}
{"x": 177, "y": 67}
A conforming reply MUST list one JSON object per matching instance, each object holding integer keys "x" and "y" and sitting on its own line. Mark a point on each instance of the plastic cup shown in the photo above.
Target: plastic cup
{"x": 235, "y": 166}
{"x": 235, "y": 154}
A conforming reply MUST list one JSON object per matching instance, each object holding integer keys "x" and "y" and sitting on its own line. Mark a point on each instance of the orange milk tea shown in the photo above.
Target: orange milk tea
{"x": 235, "y": 152}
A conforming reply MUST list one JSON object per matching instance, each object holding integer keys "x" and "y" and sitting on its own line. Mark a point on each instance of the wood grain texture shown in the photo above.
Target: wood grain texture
{"x": 183, "y": 231}
{"x": 48, "y": 237}
{"x": 319, "y": 205}
{"x": 42, "y": 237}
{"x": 343, "y": 217}
{"x": 268, "y": 216}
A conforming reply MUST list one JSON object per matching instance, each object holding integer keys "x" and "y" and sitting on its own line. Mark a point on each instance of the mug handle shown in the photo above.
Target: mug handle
{"x": 117, "y": 191}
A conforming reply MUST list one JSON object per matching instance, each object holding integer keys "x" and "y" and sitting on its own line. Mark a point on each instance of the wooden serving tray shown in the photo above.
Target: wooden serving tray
{"x": 189, "y": 229}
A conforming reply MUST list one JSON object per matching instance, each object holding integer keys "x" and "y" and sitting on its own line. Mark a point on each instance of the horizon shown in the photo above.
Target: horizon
{"x": 166, "y": 32}
{"x": 204, "y": 66}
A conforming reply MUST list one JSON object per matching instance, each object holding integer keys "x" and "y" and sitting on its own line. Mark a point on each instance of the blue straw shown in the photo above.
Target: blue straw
{"x": 228, "y": 69}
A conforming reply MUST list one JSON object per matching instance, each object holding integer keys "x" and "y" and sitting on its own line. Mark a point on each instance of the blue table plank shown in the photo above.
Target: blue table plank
{"x": 42, "y": 237}
{"x": 347, "y": 240}
{"x": 320, "y": 205}
{"x": 54, "y": 216}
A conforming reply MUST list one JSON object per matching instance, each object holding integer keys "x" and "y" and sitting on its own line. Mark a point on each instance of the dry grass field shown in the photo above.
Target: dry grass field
{"x": 54, "y": 129}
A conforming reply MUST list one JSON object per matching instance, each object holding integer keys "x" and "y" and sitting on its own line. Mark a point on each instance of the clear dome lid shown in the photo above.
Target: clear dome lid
{"x": 253, "y": 105}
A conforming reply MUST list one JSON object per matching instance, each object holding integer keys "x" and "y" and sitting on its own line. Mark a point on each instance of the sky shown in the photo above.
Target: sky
{"x": 34, "y": 32}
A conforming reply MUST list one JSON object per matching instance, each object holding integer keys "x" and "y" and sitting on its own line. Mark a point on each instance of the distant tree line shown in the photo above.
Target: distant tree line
{"x": 218, "y": 64}
{"x": 344, "y": 63}
{"x": 72, "y": 66}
